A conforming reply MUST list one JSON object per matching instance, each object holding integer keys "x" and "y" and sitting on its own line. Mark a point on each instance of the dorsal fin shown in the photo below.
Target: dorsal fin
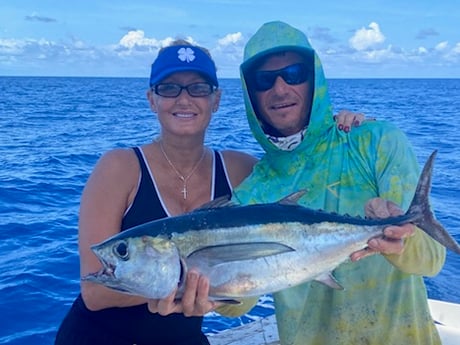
{"x": 223, "y": 201}
{"x": 293, "y": 198}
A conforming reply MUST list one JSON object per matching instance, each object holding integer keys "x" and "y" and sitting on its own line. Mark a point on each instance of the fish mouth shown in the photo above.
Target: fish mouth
{"x": 106, "y": 273}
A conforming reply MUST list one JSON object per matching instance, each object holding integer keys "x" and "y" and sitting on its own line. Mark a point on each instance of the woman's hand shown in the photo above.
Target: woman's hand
{"x": 346, "y": 120}
{"x": 194, "y": 302}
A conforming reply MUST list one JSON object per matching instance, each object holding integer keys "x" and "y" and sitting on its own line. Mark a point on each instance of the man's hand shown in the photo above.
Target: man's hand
{"x": 392, "y": 239}
{"x": 194, "y": 301}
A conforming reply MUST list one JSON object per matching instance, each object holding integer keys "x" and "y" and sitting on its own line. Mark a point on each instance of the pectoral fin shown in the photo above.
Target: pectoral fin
{"x": 329, "y": 280}
{"x": 215, "y": 255}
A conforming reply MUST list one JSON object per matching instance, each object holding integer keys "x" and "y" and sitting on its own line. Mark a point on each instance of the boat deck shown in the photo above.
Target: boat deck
{"x": 260, "y": 332}
{"x": 264, "y": 331}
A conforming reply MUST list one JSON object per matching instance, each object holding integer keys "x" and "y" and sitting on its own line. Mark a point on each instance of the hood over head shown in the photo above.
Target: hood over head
{"x": 275, "y": 37}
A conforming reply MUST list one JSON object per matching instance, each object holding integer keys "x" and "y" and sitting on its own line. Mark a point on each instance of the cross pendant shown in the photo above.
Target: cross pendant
{"x": 184, "y": 192}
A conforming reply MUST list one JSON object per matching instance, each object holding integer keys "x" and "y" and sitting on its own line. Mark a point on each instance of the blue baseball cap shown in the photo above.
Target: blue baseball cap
{"x": 183, "y": 58}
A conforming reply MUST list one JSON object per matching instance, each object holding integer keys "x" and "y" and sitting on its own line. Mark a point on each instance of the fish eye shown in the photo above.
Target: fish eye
{"x": 120, "y": 249}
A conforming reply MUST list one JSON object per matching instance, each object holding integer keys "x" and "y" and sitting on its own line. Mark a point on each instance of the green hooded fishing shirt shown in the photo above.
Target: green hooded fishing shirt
{"x": 384, "y": 300}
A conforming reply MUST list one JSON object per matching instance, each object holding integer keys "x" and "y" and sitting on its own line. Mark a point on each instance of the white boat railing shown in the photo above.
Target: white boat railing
{"x": 447, "y": 318}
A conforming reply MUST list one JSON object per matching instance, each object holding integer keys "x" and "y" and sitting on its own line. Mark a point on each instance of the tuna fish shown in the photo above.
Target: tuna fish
{"x": 249, "y": 250}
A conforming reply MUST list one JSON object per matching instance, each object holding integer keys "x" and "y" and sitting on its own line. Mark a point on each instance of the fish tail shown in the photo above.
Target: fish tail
{"x": 421, "y": 210}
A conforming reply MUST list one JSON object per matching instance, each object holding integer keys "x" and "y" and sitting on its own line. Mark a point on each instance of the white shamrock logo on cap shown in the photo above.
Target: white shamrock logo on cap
{"x": 186, "y": 54}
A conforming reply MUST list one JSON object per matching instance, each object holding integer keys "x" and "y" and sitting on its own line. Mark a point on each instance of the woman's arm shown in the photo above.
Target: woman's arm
{"x": 107, "y": 194}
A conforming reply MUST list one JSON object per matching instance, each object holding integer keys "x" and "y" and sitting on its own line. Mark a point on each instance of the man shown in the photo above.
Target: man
{"x": 290, "y": 115}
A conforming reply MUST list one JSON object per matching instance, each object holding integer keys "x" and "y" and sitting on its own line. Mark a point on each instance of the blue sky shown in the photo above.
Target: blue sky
{"x": 355, "y": 39}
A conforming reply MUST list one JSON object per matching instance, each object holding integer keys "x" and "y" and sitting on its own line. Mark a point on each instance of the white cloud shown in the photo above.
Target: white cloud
{"x": 228, "y": 54}
{"x": 456, "y": 49}
{"x": 376, "y": 55}
{"x": 30, "y": 48}
{"x": 422, "y": 50}
{"x": 136, "y": 43}
{"x": 137, "y": 38}
{"x": 11, "y": 46}
{"x": 230, "y": 39}
{"x": 133, "y": 52}
{"x": 450, "y": 55}
{"x": 441, "y": 46}
{"x": 367, "y": 38}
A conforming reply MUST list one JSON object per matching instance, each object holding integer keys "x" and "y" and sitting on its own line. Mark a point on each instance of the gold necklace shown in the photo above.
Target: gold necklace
{"x": 183, "y": 178}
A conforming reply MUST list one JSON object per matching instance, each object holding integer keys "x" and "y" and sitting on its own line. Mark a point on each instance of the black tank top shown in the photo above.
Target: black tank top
{"x": 147, "y": 205}
{"x": 136, "y": 325}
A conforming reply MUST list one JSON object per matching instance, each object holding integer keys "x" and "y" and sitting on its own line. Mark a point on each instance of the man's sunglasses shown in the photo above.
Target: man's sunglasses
{"x": 292, "y": 75}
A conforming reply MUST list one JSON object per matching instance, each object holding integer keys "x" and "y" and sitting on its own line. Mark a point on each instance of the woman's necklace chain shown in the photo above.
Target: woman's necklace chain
{"x": 183, "y": 178}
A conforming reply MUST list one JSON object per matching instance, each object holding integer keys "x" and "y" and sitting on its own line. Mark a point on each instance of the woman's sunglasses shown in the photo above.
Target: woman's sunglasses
{"x": 292, "y": 75}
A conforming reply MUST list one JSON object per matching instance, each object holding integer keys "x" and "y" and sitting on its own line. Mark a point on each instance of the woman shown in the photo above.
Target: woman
{"x": 173, "y": 174}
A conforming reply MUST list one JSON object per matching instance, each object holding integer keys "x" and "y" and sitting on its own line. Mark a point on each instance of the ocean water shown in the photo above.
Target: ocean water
{"x": 52, "y": 131}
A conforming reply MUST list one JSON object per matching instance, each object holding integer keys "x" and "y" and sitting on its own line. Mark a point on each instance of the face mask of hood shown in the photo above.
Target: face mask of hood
{"x": 288, "y": 143}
